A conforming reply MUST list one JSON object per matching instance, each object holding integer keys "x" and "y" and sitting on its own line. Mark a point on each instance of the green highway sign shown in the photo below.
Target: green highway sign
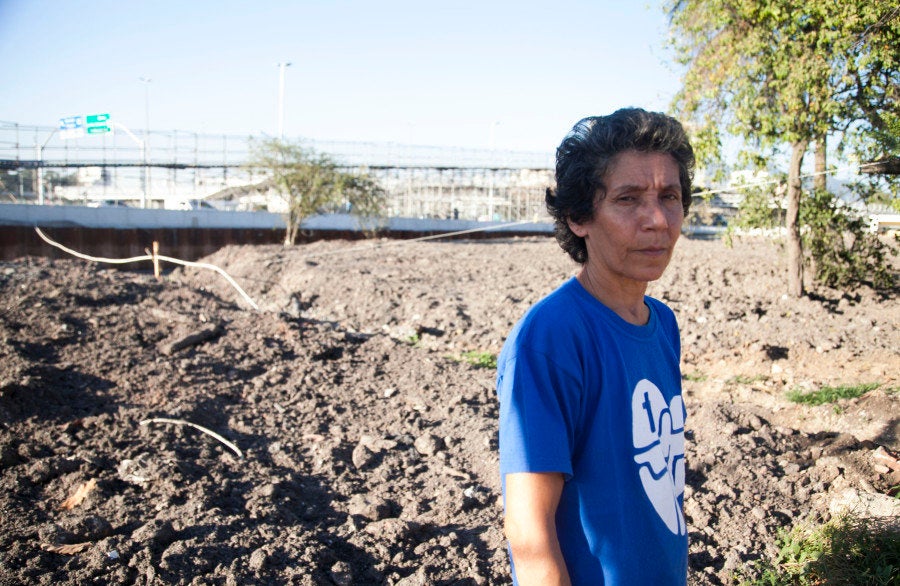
{"x": 78, "y": 126}
{"x": 97, "y": 124}
{"x": 92, "y": 119}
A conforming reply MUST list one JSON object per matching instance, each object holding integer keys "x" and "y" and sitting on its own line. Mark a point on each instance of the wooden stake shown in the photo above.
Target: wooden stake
{"x": 155, "y": 259}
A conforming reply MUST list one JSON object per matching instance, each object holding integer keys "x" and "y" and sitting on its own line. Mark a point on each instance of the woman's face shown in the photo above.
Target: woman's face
{"x": 636, "y": 224}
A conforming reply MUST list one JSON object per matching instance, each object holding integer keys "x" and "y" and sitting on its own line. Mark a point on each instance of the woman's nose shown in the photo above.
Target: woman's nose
{"x": 653, "y": 215}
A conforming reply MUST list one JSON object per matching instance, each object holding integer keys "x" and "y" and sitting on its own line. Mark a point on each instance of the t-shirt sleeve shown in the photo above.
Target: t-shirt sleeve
{"x": 538, "y": 411}
{"x": 670, "y": 327}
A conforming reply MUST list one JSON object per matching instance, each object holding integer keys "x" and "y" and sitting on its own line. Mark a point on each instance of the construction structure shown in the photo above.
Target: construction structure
{"x": 177, "y": 170}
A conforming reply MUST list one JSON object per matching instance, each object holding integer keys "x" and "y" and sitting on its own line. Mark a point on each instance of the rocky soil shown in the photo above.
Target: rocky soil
{"x": 356, "y": 438}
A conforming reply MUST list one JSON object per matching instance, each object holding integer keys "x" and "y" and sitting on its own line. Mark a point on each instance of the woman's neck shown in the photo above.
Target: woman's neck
{"x": 625, "y": 299}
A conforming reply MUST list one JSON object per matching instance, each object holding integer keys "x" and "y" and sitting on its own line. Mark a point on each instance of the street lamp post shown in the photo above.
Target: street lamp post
{"x": 281, "y": 68}
{"x": 494, "y": 125}
{"x": 145, "y": 144}
{"x": 39, "y": 172}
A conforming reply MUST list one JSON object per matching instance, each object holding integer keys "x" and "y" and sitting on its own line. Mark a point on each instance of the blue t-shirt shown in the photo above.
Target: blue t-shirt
{"x": 589, "y": 395}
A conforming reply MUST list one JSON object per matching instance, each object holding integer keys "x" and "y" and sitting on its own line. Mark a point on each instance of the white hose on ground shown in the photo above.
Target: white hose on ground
{"x": 208, "y": 432}
{"x": 150, "y": 257}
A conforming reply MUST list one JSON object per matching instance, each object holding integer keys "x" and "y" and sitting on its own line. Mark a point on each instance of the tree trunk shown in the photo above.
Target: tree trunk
{"x": 792, "y": 221}
{"x": 820, "y": 182}
{"x": 290, "y": 234}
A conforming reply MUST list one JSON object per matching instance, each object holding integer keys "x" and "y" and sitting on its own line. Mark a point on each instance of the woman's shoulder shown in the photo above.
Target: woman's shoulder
{"x": 663, "y": 311}
{"x": 554, "y": 316}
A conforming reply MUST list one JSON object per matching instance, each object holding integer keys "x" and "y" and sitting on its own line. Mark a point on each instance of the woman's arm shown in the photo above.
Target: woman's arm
{"x": 530, "y": 525}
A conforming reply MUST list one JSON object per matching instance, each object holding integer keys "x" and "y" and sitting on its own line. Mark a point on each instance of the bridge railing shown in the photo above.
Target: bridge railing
{"x": 169, "y": 167}
{"x": 21, "y": 141}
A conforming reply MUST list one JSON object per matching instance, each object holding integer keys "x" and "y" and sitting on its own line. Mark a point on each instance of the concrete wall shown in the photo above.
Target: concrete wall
{"x": 128, "y": 218}
{"x": 134, "y": 218}
{"x": 125, "y": 232}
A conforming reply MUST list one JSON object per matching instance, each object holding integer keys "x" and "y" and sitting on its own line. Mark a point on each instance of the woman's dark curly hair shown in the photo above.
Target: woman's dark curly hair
{"x": 585, "y": 154}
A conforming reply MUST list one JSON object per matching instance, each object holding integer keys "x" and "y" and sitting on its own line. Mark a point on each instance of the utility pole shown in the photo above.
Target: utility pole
{"x": 145, "y": 144}
{"x": 281, "y": 68}
{"x": 39, "y": 172}
{"x": 492, "y": 171}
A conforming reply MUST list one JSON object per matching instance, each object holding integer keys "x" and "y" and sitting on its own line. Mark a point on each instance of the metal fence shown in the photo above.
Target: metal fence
{"x": 168, "y": 168}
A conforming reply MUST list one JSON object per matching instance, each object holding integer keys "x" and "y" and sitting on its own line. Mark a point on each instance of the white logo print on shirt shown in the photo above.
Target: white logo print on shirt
{"x": 658, "y": 433}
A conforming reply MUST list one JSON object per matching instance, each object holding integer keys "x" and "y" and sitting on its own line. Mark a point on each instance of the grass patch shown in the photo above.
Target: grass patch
{"x": 846, "y": 550}
{"x": 480, "y": 359}
{"x": 477, "y": 358}
{"x": 746, "y": 380}
{"x": 830, "y": 394}
{"x": 696, "y": 377}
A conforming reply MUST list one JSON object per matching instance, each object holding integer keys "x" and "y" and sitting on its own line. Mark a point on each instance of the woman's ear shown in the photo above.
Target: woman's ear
{"x": 577, "y": 229}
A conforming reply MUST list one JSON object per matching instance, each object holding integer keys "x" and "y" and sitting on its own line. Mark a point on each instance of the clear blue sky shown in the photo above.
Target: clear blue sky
{"x": 393, "y": 70}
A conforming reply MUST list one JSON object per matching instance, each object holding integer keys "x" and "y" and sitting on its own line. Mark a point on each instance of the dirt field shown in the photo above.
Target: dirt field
{"x": 363, "y": 445}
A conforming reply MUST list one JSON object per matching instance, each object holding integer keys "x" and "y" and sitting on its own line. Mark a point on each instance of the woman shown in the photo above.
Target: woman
{"x": 591, "y": 416}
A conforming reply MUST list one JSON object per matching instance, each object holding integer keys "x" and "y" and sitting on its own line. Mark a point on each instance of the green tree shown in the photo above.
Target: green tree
{"x": 312, "y": 183}
{"x": 789, "y": 73}
{"x": 842, "y": 250}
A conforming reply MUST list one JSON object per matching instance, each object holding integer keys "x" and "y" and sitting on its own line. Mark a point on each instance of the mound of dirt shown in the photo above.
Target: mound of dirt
{"x": 359, "y": 443}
